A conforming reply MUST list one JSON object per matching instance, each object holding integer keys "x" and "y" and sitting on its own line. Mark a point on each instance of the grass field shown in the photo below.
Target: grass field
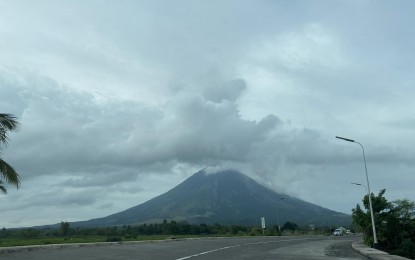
{"x": 8, "y": 242}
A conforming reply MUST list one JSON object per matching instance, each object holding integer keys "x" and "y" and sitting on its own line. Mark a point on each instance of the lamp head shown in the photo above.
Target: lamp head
{"x": 345, "y": 139}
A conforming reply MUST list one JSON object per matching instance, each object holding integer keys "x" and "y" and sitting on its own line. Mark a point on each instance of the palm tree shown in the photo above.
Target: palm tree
{"x": 8, "y": 122}
{"x": 2, "y": 187}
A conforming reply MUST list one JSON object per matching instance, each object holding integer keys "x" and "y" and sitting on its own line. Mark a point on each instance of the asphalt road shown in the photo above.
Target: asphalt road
{"x": 201, "y": 249}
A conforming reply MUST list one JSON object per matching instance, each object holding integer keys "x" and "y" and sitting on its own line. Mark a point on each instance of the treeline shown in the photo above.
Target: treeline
{"x": 168, "y": 228}
{"x": 394, "y": 223}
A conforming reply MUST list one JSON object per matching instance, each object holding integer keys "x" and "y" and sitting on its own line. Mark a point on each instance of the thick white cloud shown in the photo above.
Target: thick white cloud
{"x": 119, "y": 102}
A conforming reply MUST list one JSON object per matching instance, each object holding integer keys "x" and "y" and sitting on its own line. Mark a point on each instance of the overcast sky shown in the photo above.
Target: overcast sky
{"x": 120, "y": 101}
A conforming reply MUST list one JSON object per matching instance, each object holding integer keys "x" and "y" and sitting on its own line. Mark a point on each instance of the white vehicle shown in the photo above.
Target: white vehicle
{"x": 338, "y": 232}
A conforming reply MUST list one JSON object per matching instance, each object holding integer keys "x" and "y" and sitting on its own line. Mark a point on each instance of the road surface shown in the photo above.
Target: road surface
{"x": 313, "y": 248}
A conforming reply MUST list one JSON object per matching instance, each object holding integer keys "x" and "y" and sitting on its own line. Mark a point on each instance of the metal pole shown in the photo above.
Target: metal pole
{"x": 330, "y": 224}
{"x": 278, "y": 222}
{"x": 375, "y": 240}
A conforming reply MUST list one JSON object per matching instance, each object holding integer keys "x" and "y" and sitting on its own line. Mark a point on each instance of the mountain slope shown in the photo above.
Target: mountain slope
{"x": 227, "y": 197}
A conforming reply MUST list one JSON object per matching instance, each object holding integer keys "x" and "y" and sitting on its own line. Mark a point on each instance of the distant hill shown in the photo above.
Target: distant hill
{"x": 227, "y": 197}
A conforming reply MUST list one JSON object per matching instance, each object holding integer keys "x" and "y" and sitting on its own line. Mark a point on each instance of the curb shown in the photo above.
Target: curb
{"x": 374, "y": 254}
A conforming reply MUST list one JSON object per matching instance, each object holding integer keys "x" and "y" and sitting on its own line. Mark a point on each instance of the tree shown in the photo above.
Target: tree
{"x": 2, "y": 187}
{"x": 290, "y": 226}
{"x": 8, "y": 122}
{"x": 362, "y": 219}
{"x": 395, "y": 224}
{"x": 65, "y": 228}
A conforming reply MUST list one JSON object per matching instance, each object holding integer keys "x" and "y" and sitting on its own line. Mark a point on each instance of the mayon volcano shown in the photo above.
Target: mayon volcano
{"x": 227, "y": 198}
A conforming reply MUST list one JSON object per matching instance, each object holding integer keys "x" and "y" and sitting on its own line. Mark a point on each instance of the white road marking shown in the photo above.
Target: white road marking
{"x": 248, "y": 244}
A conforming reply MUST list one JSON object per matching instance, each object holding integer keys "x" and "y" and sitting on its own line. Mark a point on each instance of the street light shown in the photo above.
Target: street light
{"x": 375, "y": 240}
{"x": 359, "y": 184}
{"x": 331, "y": 212}
{"x": 278, "y": 220}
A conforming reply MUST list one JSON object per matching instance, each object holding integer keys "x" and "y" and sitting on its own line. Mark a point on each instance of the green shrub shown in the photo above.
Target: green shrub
{"x": 114, "y": 239}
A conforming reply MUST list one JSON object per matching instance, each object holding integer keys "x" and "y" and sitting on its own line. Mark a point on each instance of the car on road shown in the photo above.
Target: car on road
{"x": 338, "y": 232}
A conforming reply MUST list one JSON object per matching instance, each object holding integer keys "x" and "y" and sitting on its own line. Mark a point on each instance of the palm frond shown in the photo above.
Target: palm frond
{"x": 8, "y": 173}
{"x": 8, "y": 122}
{"x": 2, "y": 187}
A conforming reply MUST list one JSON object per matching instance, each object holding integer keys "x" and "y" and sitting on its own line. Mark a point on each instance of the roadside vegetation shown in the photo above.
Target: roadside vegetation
{"x": 394, "y": 222}
{"x": 157, "y": 231}
{"x": 8, "y": 175}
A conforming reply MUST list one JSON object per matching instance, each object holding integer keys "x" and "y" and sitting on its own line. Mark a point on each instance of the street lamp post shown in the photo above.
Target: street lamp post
{"x": 278, "y": 220}
{"x": 359, "y": 184}
{"x": 375, "y": 240}
{"x": 330, "y": 215}
{"x": 330, "y": 224}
